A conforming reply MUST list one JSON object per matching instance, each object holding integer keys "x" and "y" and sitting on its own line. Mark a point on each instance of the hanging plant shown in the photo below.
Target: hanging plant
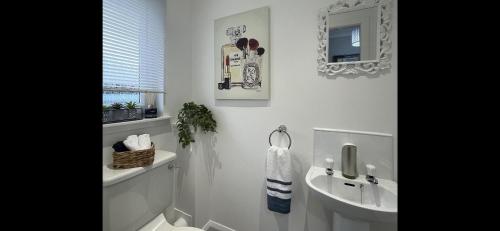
{"x": 196, "y": 116}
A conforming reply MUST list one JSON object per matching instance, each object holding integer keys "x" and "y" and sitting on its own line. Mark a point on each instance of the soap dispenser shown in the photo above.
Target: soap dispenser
{"x": 349, "y": 162}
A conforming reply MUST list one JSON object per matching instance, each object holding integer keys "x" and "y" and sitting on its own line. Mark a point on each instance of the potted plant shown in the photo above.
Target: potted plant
{"x": 117, "y": 106}
{"x": 118, "y": 113}
{"x": 193, "y": 116}
{"x": 106, "y": 114}
{"x": 131, "y": 110}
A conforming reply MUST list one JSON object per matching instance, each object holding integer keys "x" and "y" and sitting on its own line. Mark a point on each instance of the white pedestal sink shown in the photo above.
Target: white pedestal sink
{"x": 355, "y": 202}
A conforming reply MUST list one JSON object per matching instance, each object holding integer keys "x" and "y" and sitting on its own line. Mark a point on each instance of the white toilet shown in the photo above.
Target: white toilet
{"x": 137, "y": 198}
{"x": 161, "y": 224}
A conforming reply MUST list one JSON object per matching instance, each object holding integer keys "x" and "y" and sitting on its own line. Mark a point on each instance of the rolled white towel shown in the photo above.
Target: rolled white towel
{"x": 144, "y": 142}
{"x": 132, "y": 143}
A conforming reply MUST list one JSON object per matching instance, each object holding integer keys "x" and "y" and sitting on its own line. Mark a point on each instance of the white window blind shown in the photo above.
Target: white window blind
{"x": 355, "y": 36}
{"x": 133, "y": 45}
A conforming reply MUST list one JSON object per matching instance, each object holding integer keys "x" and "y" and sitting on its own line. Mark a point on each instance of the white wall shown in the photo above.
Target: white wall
{"x": 178, "y": 55}
{"x": 223, "y": 177}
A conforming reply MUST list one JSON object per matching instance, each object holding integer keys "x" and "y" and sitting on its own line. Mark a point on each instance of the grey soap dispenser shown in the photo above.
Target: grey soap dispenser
{"x": 349, "y": 162}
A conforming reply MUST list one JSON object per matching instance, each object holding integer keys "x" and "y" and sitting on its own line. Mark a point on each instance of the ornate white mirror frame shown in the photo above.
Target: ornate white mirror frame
{"x": 384, "y": 25}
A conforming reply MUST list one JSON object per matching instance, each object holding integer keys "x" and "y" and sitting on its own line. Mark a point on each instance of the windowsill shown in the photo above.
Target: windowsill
{"x": 136, "y": 124}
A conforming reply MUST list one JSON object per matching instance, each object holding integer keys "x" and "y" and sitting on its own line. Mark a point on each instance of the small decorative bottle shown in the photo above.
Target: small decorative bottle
{"x": 252, "y": 65}
{"x": 251, "y": 71}
{"x": 231, "y": 58}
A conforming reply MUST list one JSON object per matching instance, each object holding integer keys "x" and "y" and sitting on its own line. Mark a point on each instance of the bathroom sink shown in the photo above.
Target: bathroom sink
{"x": 355, "y": 198}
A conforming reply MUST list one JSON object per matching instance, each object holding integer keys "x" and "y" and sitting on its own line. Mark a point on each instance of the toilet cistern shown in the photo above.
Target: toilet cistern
{"x": 349, "y": 168}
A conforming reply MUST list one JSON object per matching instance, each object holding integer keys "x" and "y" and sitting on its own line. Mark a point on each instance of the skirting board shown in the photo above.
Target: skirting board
{"x": 215, "y": 225}
{"x": 179, "y": 213}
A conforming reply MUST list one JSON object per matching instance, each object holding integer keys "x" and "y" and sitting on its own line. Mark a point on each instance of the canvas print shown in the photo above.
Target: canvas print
{"x": 242, "y": 55}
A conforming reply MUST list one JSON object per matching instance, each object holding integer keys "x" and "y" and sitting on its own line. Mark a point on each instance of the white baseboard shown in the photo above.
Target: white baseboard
{"x": 215, "y": 225}
{"x": 184, "y": 215}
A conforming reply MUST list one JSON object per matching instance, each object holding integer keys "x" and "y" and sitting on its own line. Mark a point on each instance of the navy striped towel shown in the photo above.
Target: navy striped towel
{"x": 279, "y": 179}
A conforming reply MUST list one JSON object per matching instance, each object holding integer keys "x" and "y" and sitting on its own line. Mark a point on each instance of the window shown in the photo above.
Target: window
{"x": 355, "y": 36}
{"x": 344, "y": 45}
{"x": 133, "y": 49}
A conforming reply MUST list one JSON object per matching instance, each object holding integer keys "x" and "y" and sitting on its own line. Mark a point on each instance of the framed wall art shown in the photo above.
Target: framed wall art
{"x": 242, "y": 55}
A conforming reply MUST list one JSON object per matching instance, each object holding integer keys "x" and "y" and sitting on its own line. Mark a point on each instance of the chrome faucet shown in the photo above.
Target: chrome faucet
{"x": 329, "y": 166}
{"x": 349, "y": 168}
{"x": 371, "y": 179}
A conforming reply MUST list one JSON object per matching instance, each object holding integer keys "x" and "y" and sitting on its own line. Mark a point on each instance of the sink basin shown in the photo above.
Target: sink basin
{"x": 355, "y": 198}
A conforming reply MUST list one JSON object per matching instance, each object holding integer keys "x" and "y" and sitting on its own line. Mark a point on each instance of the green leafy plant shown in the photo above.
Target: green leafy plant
{"x": 105, "y": 107}
{"x": 117, "y": 106}
{"x": 197, "y": 116}
{"x": 131, "y": 105}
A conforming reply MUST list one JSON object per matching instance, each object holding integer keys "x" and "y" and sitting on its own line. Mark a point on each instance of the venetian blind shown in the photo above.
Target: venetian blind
{"x": 133, "y": 45}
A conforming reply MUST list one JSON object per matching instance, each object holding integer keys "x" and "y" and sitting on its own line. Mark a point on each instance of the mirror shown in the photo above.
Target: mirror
{"x": 354, "y": 37}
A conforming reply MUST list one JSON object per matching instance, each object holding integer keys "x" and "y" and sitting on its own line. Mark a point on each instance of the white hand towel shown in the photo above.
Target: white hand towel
{"x": 144, "y": 142}
{"x": 279, "y": 179}
{"x": 132, "y": 143}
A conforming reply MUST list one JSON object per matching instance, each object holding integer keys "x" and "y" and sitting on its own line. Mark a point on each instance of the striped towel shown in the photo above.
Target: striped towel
{"x": 279, "y": 179}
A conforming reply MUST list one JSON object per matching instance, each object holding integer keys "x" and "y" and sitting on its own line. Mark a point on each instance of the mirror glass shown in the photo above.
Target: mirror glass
{"x": 352, "y": 35}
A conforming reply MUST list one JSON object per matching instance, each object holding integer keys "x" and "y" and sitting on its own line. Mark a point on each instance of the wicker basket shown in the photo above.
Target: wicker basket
{"x": 132, "y": 159}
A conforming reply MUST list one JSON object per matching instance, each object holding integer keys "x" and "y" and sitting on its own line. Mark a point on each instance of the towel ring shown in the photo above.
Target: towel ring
{"x": 281, "y": 128}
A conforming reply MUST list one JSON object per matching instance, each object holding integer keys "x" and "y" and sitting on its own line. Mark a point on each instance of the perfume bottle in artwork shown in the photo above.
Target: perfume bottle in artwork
{"x": 231, "y": 58}
{"x": 241, "y": 61}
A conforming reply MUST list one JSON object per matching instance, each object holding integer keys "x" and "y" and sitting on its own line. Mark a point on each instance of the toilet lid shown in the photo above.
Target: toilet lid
{"x": 187, "y": 229}
{"x": 159, "y": 223}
